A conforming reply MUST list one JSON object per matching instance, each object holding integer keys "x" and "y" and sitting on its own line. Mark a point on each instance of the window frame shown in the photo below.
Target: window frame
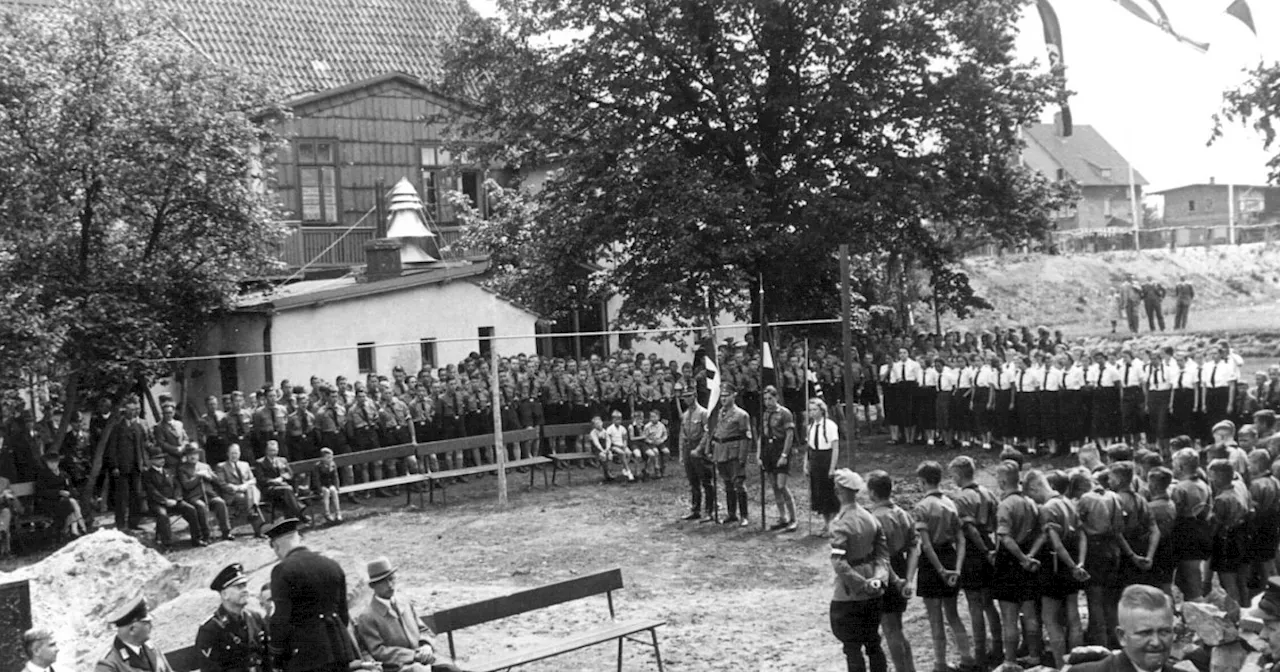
{"x": 326, "y": 219}
{"x": 427, "y": 352}
{"x": 447, "y": 172}
{"x": 367, "y": 350}
{"x": 485, "y": 336}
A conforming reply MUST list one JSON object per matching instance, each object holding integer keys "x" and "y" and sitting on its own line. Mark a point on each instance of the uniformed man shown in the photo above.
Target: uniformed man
{"x": 131, "y": 650}
{"x": 730, "y": 450}
{"x": 209, "y": 431}
{"x": 904, "y": 556}
{"x": 236, "y": 425}
{"x": 234, "y": 638}
{"x": 269, "y": 422}
{"x": 860, "y": 558}
{"x": 777, "y": 433}
{"x": 976, "y": 506}
{"x": 310, "y": 621}
{"x": 693, "y": 429}
{"x": 942, "y": 546}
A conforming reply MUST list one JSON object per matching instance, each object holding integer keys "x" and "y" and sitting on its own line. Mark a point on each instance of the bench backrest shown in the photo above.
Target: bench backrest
{"x": 27, "y": 489}
{"x": 484, "y": 611}
{"x": 431, "y": 448}
{"x": 575, "y": 429}
{"x": 183, "y": 660}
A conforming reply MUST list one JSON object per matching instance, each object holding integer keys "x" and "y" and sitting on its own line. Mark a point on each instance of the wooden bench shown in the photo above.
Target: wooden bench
{"x": 28, "y": 524}
{"x": 447, "y": 621}
{"x": 436, "y": 479}
{"x": 396, "y": 452}
{"x": 564, "y": 461}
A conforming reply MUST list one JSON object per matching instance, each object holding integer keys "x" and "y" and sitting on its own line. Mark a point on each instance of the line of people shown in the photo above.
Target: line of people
{"x": 1023, "y": 553}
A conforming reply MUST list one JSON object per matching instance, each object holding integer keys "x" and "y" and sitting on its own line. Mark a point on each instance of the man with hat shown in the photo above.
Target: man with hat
{"x": 309, "y": 623}
{"x": 860, "y": 558}
{"x": 131, "y": 650}
{"x": 200, "y": 488}
{"x": 234, "y": 638}
{"x": 730, "y": 450}
{"x": 164, "y": 496}
{"x": 391, "y": 630}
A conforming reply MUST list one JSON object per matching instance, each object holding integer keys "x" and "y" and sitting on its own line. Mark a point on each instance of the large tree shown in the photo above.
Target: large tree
{"x": 699, "y": 145}
{"x": 1256, "y": 103}
{"x": 130, "y": 193}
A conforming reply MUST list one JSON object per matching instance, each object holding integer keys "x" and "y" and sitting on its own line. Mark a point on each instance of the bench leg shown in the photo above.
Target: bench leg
{"x": 620, "y": 654}
{"x": 657, "y": 653}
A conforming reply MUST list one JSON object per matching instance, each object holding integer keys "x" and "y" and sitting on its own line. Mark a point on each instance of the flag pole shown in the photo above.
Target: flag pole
{"x": 1133, "y": 206}
{"x": 1231, "y": 214}
{"x": 713, "y": 354}
{"x": 846, "y": 339}
{"x": 760, "y": 408}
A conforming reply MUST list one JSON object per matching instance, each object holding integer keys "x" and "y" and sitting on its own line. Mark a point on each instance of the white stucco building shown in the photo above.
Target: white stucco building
{"x": 347, "y": 326}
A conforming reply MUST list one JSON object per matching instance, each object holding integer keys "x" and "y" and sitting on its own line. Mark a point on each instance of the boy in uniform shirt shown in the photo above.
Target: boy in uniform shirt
{"x": 1163, "y": 513}
{"x": 1231, "y": 511}
{"x": 976, "y": 506}
{"x": 1139, "y": 535}
{"x": 1264, "y": 490}
{"x": 904, "y": 555}
{"x": 1014, "y": 582}
{"x": 1192, "y": 530}
{"x": 1101, "y": 519}
{"x": 938, "y": 577}
{"x": 860, "y": 558}
{"x": 778, "y": 431}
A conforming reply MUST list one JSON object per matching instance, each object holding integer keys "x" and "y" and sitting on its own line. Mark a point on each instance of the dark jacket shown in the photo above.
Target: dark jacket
{"x": 127, "y": 450}
{"x": 230, "y": 643}
{"x": 309, "y": 625}
{"x": 48, "y": 487}
{"x": 1116, "y": 662}
{"x": 160, "y": 485}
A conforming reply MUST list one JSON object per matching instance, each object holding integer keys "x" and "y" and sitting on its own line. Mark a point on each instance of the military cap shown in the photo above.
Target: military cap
{"x": 1227, "y": 425}
{"x": 281, "y": 528}
{"x": 130, "y": 612}
{"x": 231, "y": 575}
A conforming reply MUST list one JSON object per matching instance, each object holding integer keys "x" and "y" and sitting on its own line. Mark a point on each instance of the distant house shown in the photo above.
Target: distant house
{"x": 1092, "y": 163}
{"x": 1202, "y": 212}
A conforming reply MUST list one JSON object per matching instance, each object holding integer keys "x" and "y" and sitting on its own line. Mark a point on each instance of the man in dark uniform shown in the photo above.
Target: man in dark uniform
{"x": 730, "y": 450}
{"x": 233, "y": 639}
{"x": 131, "y": 650}
{"x": 1152, "y": 300}
{"x": 309, "y": 625}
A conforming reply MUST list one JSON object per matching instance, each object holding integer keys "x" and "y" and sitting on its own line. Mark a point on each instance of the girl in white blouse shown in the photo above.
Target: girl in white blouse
{"x": 823, "y": 439}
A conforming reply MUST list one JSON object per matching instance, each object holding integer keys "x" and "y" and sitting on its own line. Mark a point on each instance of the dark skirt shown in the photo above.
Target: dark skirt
{"x": 929, "y": 583}
{"x": 1050, "y": 415}
{"x": 961, "y": 415}
{"x": 822, "y": 489}
{"x": 893, "y": 602}
{"x": 898, "y": 405}
{"x": 1131, "y": 418}
{"x": 1056, "y": 581}
{"x": 869, "y": 394}
{"x": 1027, "y": 411}
{"x": 1182, "y": 420}
{"x": 1192, "y": 539}
{"x": 1002, "y": 418}
{"x": 924, "y": 404}
{"x": 981, "y": 416}
{"x": 1073, "y": 415}
{"x": 1104, "y": 412}
{"x": 942, "y": 404}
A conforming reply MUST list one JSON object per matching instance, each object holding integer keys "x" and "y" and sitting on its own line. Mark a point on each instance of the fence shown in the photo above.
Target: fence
{"x": 1087, "y": 241}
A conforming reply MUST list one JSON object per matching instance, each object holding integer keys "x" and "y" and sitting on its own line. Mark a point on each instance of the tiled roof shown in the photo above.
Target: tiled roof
{"x": 1084, "y": 155}
{"x": 301, "y": 47}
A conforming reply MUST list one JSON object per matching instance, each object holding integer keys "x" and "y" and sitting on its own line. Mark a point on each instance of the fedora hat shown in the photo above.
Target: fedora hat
{"x": 380, "y": 569}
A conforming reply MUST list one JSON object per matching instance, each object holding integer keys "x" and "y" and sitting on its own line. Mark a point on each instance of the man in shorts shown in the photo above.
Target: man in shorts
{"x": 938, "y": 579}
{"x": 904, "y": 556}
{"x": 776, "y": 435}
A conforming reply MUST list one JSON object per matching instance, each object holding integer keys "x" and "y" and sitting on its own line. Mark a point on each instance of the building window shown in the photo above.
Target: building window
{"x": 1106, "y": 173}
{"x": 486, "y": 342}
{"x": 365, "y": 358}
{"x": 427, "y": 349}
{"x": 441, "y": 174}
{"x": 318, "y": 181}
{"x": 1062, "y": 174}
{"x": 1106, "y": 208}
{"x": 1191, "y": 206}
{"x": 227, "y": 373}
{"x": 1208, "y": 204}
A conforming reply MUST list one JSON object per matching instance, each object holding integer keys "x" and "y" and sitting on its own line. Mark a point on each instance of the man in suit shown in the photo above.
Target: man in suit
{"x": 1152, "y": 301}
{"x": 1145, "y": 632}
{"x": 275, "y": 480}
{"x": 126, "y": 458}
{"x": 391, "y": 630}
{"x": 234, "y": 638}
{"x": 240, "y": 486}
{"x": 309, "y": 625}
{"x": 170, "y": 435}
{"x": 131, "y": 650}
{"x": 164, "y": 496}
{"x": 200, "y": 488}
{"x": 1183, "y": 294}
{"x": 41, "y": 649}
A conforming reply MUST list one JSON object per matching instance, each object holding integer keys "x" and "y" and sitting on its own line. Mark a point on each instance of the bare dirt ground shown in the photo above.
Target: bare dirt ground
{"x": 734, "y": 598}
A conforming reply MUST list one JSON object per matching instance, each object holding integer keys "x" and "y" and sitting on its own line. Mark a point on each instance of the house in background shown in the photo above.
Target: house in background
{"x": 1202, "y": 213}
{"x": 1088, "y": 159}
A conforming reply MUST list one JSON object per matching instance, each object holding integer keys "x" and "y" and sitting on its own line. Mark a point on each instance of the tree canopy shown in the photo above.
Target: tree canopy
{"x": 129, "y": 188}
{"x": 697, "y": 146}
{"x": 1256, "y": 103}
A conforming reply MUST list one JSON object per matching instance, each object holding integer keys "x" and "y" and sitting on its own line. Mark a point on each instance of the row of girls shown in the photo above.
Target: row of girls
{"x": 1056, "y": 400}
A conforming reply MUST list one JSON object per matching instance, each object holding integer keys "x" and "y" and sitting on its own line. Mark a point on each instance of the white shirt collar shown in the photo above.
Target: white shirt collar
{"x": 32, "y": 667}
{"x": 385, "y": 602}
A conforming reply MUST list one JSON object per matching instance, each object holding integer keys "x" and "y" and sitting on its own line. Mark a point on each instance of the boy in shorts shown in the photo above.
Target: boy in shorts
{"x": 904, "y": 555}
{"x": 1014, "y": 581}
{"x": 976, "y": 505}
{"x": 616, "y": 446}
{"x": 938, "y": 578}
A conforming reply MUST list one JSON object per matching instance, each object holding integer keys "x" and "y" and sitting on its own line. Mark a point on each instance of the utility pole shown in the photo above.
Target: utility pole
{"x": 846, "y": 339}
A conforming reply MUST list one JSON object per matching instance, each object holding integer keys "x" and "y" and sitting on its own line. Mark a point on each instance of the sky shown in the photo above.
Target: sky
{"x": 1152, "y": 97}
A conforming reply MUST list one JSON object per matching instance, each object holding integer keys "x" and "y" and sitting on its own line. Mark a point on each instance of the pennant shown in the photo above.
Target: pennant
{"x": 1053, "y": 42}
{"x": 768, "y": 371}
{"x": 1154, "y": 14}
{"x": 1240, "y": 10}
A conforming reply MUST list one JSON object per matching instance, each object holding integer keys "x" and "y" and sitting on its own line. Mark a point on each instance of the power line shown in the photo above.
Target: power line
{"x": 460, "y": 339}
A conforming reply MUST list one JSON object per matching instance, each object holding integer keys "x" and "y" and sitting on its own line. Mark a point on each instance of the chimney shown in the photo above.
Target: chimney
{"x": 1058, "y": 128}
{"x": 1212, "y": 180}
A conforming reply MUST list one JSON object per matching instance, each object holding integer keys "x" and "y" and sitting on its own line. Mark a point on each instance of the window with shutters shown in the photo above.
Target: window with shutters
{"x": 318, "y": 181}
{"x": 443, "y": 173}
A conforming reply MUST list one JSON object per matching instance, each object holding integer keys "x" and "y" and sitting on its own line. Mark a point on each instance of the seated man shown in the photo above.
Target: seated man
{"x": 390, "y": 630}
{"x": 162, "y": 493}
{"x": 200, "y": 488}
{"x": 240, "y": 487}
{"x": 275, "y": 480}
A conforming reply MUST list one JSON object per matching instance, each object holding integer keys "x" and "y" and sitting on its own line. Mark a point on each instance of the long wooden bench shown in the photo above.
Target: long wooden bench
{"x": 436, "y": 480}
{"x": 448, "y": 621}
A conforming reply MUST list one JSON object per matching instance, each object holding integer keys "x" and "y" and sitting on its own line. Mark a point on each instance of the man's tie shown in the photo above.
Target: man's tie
{"x": 1126, "y": 373}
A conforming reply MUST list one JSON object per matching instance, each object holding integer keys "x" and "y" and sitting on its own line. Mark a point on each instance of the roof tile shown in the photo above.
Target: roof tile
{"x": 1084, "y": 154}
